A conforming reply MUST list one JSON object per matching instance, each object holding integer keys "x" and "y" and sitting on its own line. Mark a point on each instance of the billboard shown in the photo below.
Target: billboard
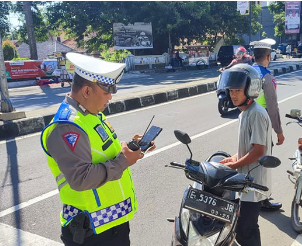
{"x": 30, "y": 69}
{"x": 292, "y": 17}
{"x": 132, "y": 36}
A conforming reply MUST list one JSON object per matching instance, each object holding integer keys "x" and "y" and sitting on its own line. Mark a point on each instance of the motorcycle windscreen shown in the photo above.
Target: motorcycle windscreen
{"x": 232, "y": 79}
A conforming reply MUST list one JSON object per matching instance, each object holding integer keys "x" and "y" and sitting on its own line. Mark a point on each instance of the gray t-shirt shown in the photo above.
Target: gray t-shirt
{"x": 254, "y": 128}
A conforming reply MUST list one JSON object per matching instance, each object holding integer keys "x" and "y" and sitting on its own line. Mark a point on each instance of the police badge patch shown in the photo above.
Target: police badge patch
{"x": 102, "y": 133}
{"x": 109, "y": 125}
{"x": 71, "y": 139}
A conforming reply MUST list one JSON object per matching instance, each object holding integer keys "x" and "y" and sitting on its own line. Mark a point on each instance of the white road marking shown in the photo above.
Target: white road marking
{"x": 10, "y": 236}
{"x": 26, "y": 238}
{"x": 28, "y": 203}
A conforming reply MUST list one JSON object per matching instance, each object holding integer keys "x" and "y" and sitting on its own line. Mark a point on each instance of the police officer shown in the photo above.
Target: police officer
{"x": 268, "y": 97}
{"x": 89, "y": 164}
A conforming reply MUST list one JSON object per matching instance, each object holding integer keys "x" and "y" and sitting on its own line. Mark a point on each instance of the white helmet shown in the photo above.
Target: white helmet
{"x": 242, "y": 76}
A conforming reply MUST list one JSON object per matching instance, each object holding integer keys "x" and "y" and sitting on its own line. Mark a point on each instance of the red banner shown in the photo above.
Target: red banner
{"x": 30, "y": 69}
{"x": 292, "y": 17}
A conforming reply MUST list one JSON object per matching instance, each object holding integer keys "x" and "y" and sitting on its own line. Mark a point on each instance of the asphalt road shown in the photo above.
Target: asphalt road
{"x": 43, "y": 97}
{"x": 27, "y": 182}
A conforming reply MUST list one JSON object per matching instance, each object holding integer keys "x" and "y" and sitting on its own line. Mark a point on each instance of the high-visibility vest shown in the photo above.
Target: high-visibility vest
{"x": 113, "y": 203}
{"x": 262, "y": 72}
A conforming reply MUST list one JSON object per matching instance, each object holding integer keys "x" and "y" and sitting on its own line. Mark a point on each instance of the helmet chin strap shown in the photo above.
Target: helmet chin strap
{"x": 247, "y": 102}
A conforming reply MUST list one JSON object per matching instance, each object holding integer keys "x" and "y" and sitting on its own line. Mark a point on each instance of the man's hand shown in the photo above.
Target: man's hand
{"x": 131, "y": 156}
{"x": 281, "y": 138}
{"x": 229, "y": 159}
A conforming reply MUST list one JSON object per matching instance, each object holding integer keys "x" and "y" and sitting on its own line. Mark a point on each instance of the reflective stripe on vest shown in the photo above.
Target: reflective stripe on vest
{"x": 104, "y": 146}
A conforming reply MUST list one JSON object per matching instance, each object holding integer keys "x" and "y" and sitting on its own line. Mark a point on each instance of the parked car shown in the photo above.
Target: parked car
{"x": 226, "y": 54}
{"x": 275, "y": 54}
{"x": 299, "y": 51}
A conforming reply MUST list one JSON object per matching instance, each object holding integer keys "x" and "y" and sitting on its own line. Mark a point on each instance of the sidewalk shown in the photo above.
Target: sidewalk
{"x": 38, "y": 119}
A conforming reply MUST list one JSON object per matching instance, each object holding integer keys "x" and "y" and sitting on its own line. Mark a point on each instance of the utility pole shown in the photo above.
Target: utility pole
{"x": 6, "y": 105}
{"x": 30, "y": 30}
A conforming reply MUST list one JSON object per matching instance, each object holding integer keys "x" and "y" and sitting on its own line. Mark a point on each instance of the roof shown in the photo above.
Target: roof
{"x": 71, "y": 43}
{"x": 44, "y": 49}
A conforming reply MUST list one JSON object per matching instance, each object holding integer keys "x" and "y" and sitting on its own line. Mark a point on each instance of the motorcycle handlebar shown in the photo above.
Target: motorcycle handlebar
{"x": 176, "y": 164}
{"x": 291, "y": 117}
{"x": 259, "y": 187}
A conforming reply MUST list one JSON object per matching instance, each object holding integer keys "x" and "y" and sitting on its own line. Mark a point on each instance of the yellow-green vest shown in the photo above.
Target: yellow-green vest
{"x": 262, "y": 72}
{"x": 113, "y": 203}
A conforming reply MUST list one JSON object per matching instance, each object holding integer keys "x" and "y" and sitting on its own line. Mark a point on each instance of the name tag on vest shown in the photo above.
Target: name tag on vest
{"x": 102, "y": 133}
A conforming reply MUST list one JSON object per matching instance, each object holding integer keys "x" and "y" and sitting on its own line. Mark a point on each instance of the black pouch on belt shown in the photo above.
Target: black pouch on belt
{"x": 80, "y": 228}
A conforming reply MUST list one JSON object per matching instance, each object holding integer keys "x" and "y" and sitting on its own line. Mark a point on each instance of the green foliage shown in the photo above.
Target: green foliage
{"x": 20, "y": 59}
{"x": 202, "y": 21}
{"x": 115, "y": 56}
{"x": 9, "y": 50}
{"x": 277, "y": 8}
{"x": 5, "y": 7}
{"x": 39, "y": 19}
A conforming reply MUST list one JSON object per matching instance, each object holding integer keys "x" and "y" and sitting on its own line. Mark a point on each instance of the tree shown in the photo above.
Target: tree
{"x": 193, "y": 20}
{"x": 9, "y": 50}
{"x": 4, "y": 25}
{"x": 30, "y": 30}
{"x": 277, "y": 8}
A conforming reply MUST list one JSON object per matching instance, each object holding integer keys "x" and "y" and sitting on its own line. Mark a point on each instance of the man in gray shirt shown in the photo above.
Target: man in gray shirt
{"x": 254, "y": 141}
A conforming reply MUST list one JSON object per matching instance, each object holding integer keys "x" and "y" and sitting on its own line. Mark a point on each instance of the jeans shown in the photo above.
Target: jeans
{"x": 248, "y": 233}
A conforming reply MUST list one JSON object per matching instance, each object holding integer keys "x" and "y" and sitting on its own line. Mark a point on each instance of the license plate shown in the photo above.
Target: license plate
{"x": 210, "y": 205}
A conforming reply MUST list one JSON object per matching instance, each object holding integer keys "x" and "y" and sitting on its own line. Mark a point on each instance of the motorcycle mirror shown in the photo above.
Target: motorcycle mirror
{"x": 295, "y": 113}
{"x": 182, "y": 137}
{"x": 269, "y": 161}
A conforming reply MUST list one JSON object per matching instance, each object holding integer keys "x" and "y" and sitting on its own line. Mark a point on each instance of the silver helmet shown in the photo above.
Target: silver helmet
{"x": 242, "y": 76}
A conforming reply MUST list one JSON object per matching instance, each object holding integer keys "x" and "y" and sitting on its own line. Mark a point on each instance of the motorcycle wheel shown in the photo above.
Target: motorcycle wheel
{"x": 295, "y": 218}
{"x": 62, "y": 84}
{"x": 221, "y": 107}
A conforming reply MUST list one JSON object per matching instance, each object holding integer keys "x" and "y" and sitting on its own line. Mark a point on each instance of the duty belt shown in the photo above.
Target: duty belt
{"x": 102, "y": 216}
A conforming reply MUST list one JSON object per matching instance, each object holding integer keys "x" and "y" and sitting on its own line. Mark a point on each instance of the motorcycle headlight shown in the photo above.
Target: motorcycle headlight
{"x": 185, "y": 218}
{"x": 195, "y": 239}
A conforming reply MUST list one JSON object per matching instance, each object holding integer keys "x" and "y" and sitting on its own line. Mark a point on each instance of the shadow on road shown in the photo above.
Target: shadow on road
{"x": 281, "y": 221}
{"x": 12, "y": 170}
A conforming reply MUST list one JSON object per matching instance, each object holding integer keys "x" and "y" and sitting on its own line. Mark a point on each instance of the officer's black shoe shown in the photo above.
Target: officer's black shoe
{"x": 268, "y": 206}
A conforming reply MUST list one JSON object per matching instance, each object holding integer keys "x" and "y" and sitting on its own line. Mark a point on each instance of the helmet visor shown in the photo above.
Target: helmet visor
{"x": 233, "y": 79}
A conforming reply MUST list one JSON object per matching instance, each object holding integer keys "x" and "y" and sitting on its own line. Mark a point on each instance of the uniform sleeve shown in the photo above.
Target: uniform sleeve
{"x": 272, "y": 103}
{"x": 258, "y": 129}
{"x": 70, "y": 148}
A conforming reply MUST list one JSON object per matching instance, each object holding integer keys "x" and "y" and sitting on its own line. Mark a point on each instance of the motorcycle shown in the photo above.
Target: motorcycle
{"x": 224, "y": 101}
{"x": 295, "y": 176}
{"x": 209, "y": 211}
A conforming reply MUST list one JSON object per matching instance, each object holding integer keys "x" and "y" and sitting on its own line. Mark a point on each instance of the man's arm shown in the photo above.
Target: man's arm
{"x": 252, "y": 156}
{"x": 75, "y": 160}
{"x": 272, "y": 106}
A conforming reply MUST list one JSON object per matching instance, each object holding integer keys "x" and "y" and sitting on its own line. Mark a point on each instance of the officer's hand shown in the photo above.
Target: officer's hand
{"x": 131, "y": 156}
{"x": 281, "y": 138}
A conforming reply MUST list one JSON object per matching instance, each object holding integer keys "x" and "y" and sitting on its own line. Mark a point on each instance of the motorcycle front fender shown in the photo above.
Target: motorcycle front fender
{"x": 298, "y": 190}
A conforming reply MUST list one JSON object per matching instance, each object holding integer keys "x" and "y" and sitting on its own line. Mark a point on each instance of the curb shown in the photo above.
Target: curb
{"x": 12, "y": 129}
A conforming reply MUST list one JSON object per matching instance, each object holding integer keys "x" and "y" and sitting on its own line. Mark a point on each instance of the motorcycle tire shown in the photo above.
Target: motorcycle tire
{"x": 221, "y": 108}
{"x": 295, "y": 218}
{"x": 62, "y": 84}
